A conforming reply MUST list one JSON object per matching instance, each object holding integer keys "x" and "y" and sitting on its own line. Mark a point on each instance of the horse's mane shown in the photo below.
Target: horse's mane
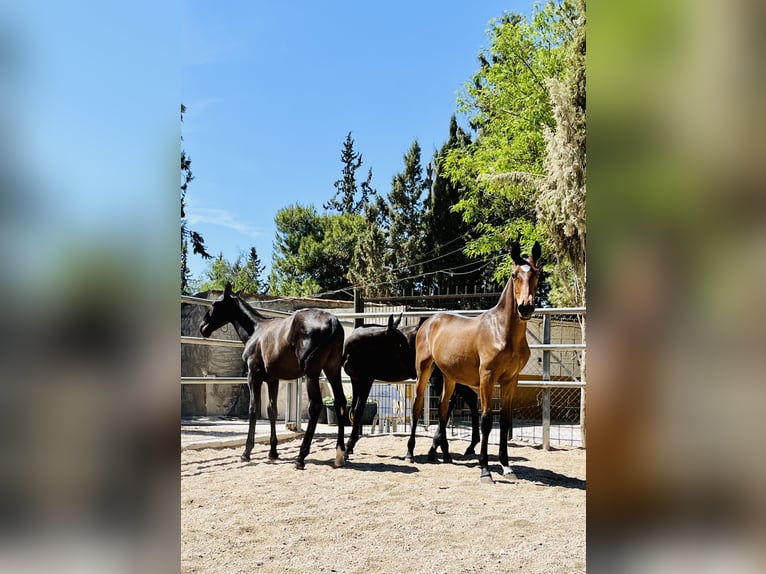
{"x": 251, "y": 311}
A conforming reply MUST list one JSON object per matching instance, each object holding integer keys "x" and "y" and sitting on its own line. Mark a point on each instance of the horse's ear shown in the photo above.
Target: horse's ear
{"x": 227, "y": 289}
{"x": 391, "y": 326}
{"x": 536, "y": 252}
{"x": 398, "y": 319}
{"x": 516, "y": 253}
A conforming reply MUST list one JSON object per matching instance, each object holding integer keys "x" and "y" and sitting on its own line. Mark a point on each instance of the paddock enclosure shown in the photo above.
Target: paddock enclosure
{"x": 380, "y": 513}
{"x": 548, "y": 407}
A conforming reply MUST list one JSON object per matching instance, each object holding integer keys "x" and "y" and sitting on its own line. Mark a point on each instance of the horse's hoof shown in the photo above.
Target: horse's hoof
{"x": 245, "y": 458}
{"x": 300, "y": 465}
{"x": 432, "y": 456}
{"x": 447, "y": 458}
{"x": 408, "y": 457}
{"x": 340, "y": 457}
{"x": 486, "y": 477}
{"x": 273, "y": 456}
{"x": 470, "y": 451}
{"x": 508, "y": 473}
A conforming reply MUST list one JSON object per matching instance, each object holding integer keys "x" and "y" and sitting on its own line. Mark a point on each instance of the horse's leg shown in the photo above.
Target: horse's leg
{"x": 440, "y": 437}
{"x": 486, "y": 387}
{"x": 315, "y": 406}
{"x": 254, "y": 386}
{"x": 424, "y": 369}
{"x": 472, "y": 400}
{"x": 361, "y": 392}
{"x": 507, "y": 389}
{"x": 272, "y": 409}
{"x": 340, "y": 410}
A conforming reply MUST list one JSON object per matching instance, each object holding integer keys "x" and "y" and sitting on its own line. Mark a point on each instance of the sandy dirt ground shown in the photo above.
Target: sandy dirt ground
{"x": 380, "y": 513}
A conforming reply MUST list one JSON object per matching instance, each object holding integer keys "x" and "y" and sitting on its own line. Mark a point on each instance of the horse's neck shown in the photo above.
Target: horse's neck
{"x": 246, "y": 321}
{"x": 243, "y": 321}
{"x": 506, "y": 313}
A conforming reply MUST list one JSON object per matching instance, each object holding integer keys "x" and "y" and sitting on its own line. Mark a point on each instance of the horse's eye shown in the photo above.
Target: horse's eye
{"x": 513, "y": 275}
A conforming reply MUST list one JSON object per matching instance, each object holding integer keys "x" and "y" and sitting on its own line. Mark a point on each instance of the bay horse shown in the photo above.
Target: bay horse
{"x": 376, "y": 352}
{"x": 479, "y": 352}
{"x": 304, "y": 344}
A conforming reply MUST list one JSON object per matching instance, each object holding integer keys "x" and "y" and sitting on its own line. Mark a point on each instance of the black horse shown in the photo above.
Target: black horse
{"x": 304, "y": 344}
{"x": 470, "y": 398}
{"x": 375, "y": 352}
{"x": 387, "y": 353}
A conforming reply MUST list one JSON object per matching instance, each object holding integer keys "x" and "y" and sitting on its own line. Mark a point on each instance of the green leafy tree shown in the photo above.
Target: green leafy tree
{"x": 346, "y": 189}
{"x": 509, "y": 108}
{"x": 312, "y": 252}
{"x": 187, "y": 235}
{"x": 405, "y": 229}
{"x": 244, "y": 274}
{"x": 219, "y": 271}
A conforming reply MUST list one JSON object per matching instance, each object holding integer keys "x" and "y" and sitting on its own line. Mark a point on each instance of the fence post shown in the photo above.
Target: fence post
{"x": 298, "y": 403}
{"x": 546, "y": 378}
{"x": 358, "y": 307}
{"x": 293, "y": 405}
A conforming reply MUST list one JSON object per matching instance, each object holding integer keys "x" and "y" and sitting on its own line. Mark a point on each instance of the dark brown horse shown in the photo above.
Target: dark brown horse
{"x": 480, "y": 352}
{"x": 304, "y": 344}
{"x": 376, "y": 352}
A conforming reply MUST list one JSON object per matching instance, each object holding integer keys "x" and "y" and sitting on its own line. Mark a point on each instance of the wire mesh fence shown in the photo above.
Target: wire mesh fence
{"x": 394, "y": 414}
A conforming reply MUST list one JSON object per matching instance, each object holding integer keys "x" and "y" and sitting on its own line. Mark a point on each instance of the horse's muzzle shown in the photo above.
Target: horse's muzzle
{"x": 526, "y": 311}
{"x": 205, "y": 330}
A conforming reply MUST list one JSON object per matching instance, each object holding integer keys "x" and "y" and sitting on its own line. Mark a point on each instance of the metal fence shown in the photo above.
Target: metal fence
{"x": 548, "y": 407}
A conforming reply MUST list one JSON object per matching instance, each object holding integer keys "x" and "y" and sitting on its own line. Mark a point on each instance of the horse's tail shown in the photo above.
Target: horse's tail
{"x": 335, "y": 330}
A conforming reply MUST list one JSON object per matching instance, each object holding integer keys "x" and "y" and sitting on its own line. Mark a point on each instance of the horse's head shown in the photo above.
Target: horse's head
{"x": 222, "y": 312}
{"x": 398, "y": 342}
{"x": 524, "y": 276}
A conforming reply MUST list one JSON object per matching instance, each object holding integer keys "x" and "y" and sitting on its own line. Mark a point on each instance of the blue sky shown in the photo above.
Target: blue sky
{"x": 272, "y": 89}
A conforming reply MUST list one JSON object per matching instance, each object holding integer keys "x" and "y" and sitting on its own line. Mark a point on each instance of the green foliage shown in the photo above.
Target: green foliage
{"x": 508, "y": 105}
{"x": 405, "y": 209}
{"x": 561, "y": 200}
{"x": 312, "y": 252}
{"x": 244, "y": 274}
{"x": 346, "y": 188}
{"x": 368, "y": 269}
{"x": 447, "y": 266}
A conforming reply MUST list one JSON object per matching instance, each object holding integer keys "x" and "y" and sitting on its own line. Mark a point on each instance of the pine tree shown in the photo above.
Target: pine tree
{"x": 447, "y": 233}
{"x": 346, "y": 188}
{"x": 247, "y": 276}
{"x": 405, "y": 232}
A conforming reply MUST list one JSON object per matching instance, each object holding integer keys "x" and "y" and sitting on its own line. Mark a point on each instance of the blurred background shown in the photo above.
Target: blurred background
{"x": 89, "y": 274}
{"x": 89, "y": 237}
{"x": 676, "y": 475}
